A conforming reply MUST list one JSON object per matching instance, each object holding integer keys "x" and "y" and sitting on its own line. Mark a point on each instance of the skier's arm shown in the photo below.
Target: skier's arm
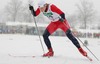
{"x": 35, "y": 13}
{"x": 58, "y": 11}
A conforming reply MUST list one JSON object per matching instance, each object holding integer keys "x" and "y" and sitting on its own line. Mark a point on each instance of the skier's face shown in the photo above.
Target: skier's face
{"x": 43, "y": 8}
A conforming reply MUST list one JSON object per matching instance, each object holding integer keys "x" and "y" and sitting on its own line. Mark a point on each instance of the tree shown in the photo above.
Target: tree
{"x": 72, "y": 19}
{"x": 86, "y": 12}
{"x": 26, "y": 14}
{"x": 14, "y": 10}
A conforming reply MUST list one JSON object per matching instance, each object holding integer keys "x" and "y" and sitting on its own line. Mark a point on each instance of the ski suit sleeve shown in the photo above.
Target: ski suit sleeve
{"x": 37, "y": 12}
{"x": 58, "y": 11}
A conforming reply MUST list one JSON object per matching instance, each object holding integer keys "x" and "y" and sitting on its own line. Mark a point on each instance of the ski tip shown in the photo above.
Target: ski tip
{"x": 33, "y": 56}
{"x": 89, "y": 58}
{"x": 47, "y": 56}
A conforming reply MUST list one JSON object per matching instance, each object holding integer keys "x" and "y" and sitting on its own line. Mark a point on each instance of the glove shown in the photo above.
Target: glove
{"x": 31, "y": 7}
{"x": 61, "y": 20}
{"x": 32, "y": 10}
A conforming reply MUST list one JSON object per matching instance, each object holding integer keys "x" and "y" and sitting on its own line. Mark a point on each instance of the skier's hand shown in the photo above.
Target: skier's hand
{"x": 31, "y": 7}
{"x": 61, "y": 20}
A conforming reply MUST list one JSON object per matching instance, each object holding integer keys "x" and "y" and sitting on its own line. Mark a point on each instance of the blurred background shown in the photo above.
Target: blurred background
{"x": 82, "y": 15}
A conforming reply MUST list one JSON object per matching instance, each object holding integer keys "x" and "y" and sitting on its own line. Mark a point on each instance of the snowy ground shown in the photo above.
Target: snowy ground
{"x": 24, "y": 45}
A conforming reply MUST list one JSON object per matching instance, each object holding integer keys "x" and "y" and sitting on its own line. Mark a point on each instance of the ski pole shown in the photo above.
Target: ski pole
{"x": 83, "y": 44}
{"x": 38, "y": 31}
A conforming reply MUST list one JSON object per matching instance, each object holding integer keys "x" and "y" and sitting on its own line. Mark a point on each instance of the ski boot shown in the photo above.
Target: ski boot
{"x": 84, "y": 53}
{"x": 49, "y": 54}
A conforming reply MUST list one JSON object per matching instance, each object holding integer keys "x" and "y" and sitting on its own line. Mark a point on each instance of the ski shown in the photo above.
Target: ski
{"x": 20, "y": 56}
{"x": 23, "y": 56}
{"x": 89, "y": 58}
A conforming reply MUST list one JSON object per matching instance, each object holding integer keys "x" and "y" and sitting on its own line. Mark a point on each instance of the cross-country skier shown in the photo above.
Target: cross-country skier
{"x": 58, "y": 20}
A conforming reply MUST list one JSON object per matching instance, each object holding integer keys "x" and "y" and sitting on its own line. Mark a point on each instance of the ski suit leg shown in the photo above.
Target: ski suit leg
{"x": 46, "y": 38}
{"x": 75, "y": 42}
{"x": 49, "y": 30}
{"x": 72, "y": 38}
{"x": 63, "y": 26}
{"x": 66, "y": 29}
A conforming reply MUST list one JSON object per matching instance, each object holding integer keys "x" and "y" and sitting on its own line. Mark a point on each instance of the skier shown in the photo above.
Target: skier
{"x": 58, "y": 20}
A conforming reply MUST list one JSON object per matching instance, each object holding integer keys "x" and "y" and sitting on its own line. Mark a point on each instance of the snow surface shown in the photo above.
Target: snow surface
{"x": 25, "y": 45}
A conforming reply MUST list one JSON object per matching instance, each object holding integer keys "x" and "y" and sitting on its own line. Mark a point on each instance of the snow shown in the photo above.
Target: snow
{"x": 25, "y": 45}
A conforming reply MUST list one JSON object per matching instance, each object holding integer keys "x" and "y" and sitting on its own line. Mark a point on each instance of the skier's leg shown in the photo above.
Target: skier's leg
{"x": 48, "y": 43}
{"x": 46, "y": 35}
{"x": 75, "y": 42}
{"x": 72, "y": 38}
{"x": 66, "y": 28}
{"x": 50, "y": 29}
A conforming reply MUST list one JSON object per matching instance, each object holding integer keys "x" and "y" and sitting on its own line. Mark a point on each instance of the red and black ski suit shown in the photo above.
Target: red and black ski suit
{"x": 56, "y": 16}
